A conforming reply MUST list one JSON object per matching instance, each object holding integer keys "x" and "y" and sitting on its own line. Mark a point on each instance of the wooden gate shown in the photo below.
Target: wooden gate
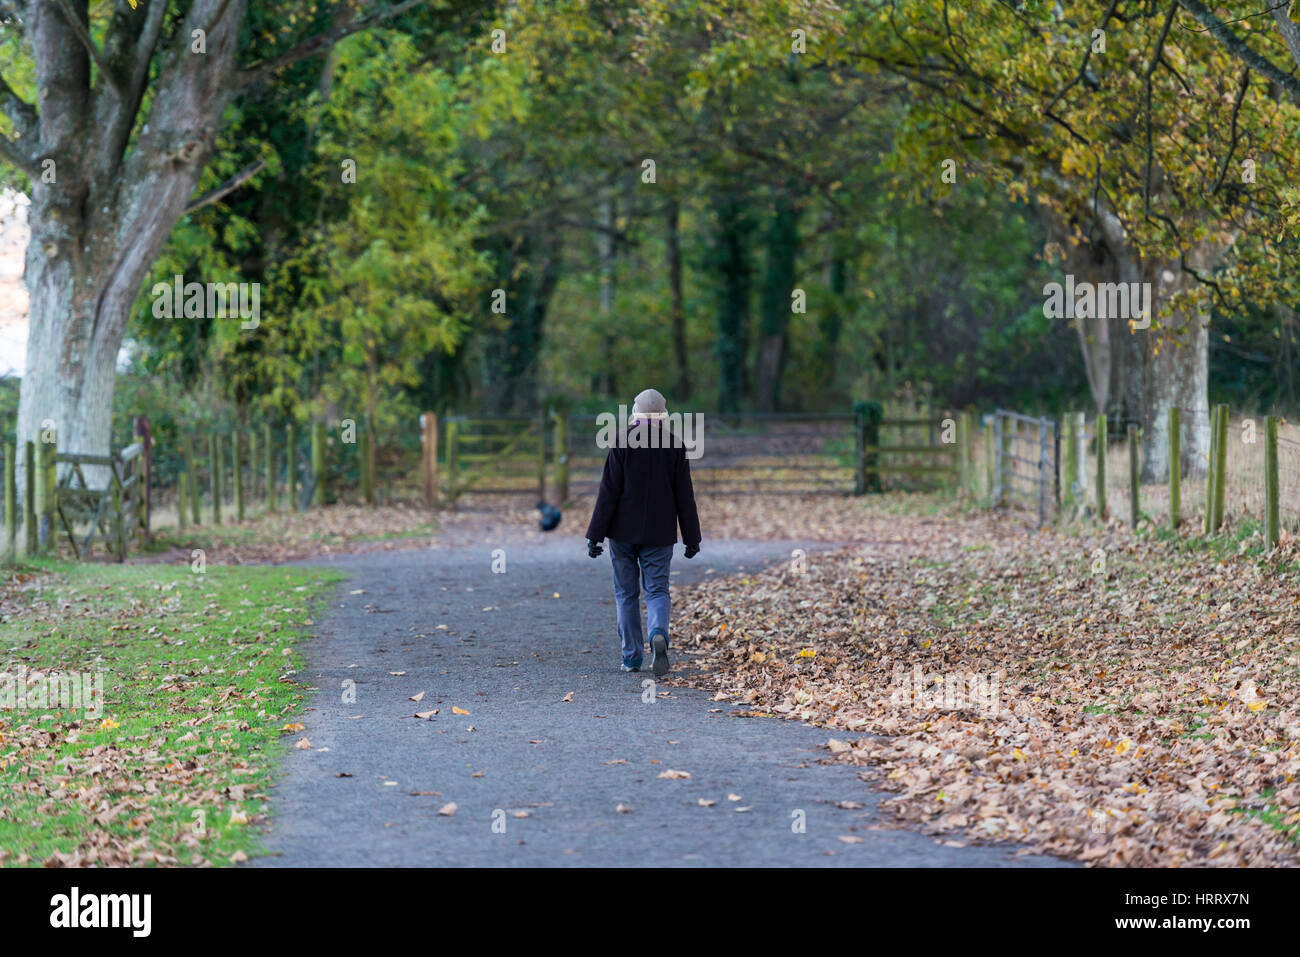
{"x": 111, "y": 512}
{"x": 501, "y": 454}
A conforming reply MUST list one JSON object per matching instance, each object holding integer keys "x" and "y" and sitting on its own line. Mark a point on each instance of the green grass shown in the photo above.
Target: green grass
{"x": 196, "y": 679}
{"x": 1269, "y": 813}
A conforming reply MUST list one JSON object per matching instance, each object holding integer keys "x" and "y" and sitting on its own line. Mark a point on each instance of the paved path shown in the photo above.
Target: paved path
{"x": 372, "y": 799}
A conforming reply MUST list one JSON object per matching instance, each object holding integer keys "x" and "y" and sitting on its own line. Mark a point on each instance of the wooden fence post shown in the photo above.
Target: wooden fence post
{"x": 51, "y": 492}
{"x": 988, "y": 438}
{"x": 561, "y": 457}
{"x": 270, "y": 466}
{"x": 1042, "y": 473}
{"x": 870, "y": 415}
{"x": 11, "y": 502}
{"x": 45, "y": 486}
{"x": 119, "y": 524}
{"x": 318, "y": 462}
{"x": 193, "y": 485}
{"x": 1220, "y": 468}
{"x": 252, "y": 464}
{"x": 1175, "y": 440}
{"x": 29, "y": 497}
{"x": 429, "y": 457}
{"x": 1209, "y": 472}
{"x": 1102, "y": 439}
{"x": 237, "y": 473}
{"x": 1069, "y": 494}
{"x": 541, "y": 455}
{"x": 859, "y": 450}
{"x": 144, "y": 469}
{"x": 453, "y": 463}
{"x": 1134, "y": 489}
{"x": 38, "y": 525}
{"x": 291, "y": 466}
{"x": 368, "y": 465}
{"x": 1075, "y": 480}
{"x": 214, "y": 460}
{"x": 1006, "y": 464}
{"x": 995, "y": 496}
{"x": 1272, "y": 507}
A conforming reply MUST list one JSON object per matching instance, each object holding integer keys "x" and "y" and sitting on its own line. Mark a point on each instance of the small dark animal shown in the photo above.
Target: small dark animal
{"x": 550, "y": 516}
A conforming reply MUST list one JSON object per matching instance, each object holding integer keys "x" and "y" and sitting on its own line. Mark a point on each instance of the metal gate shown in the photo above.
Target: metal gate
{"x": 1024, "y": 463}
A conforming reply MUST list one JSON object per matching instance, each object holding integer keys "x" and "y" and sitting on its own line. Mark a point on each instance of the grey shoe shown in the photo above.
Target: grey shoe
{"x": 659, "y": 654}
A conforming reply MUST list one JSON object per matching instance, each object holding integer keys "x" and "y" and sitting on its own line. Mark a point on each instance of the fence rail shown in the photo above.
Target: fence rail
{"x": 1228, "y": 467}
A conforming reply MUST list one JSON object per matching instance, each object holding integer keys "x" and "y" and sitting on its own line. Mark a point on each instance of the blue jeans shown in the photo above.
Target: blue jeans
{"x": 653, "y": 562}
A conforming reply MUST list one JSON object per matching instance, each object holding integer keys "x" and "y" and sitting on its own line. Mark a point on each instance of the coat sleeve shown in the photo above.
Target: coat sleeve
{"x": 684, "y": 492}
{"x": 611, "y": 489}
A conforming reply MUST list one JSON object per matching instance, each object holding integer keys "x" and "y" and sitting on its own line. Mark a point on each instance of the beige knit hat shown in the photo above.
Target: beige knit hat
{"x": 650, "y": 404}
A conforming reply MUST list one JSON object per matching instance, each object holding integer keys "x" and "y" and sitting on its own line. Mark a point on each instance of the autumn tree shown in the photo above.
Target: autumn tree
{"x": 113, "y": 118}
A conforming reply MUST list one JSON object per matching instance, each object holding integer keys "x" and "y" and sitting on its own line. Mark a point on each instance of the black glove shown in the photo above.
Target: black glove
{"x": 692, "y": 551}
{"x": 594, "y": 549}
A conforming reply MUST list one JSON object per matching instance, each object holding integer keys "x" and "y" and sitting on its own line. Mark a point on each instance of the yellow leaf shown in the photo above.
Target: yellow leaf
{"x": 455, "y": 710}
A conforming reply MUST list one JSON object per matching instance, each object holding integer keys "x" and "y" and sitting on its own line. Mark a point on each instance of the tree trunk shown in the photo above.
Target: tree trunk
{"x": 97, "y": 229}
{"x": 731, "y": 264}
{"x": 605, "y": 238}
{"x": 1176, "y": 374}
{"x": 778, "y": 283}
{"x": 831, "y": 318}
{"x": 1137, "y": 375}
{"x": 678, "y": 306}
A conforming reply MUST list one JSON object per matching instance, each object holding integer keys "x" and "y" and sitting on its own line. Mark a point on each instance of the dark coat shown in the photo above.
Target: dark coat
{"x": 644, "y": 494}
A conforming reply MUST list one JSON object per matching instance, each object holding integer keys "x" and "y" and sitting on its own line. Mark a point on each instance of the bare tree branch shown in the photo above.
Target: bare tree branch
{"x": 1232, "y": 146}
{"x": 144, "y": 47}
{"x": 1289, "y": 29}
{"x": 21, "y": 113}
{"x": 1240, "y": 49}
{"x": 79, "y": 28}
{"x": 318, "y": 44}
{"x": 229, "y": 186}
{"x": 11, "y": 151}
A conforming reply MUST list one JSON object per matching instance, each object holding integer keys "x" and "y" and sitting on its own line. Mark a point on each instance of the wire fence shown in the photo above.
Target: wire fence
{"x": 1017, "y": 454}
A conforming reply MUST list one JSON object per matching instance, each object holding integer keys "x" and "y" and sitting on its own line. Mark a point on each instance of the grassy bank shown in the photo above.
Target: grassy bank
{"x": 197, "y": 672}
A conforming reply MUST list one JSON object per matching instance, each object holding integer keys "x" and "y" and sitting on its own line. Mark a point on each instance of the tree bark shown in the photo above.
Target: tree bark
{"x": 119, "y": 181}
{"x": 97, "y": 229}
{"x": 1176, "y": 374}
{"x": 732, "y": 266}
{"x": 778, "y": 283}
{"x": 678, "y": 305}
{"x": 605, "y": 239}
{"x": 1137, "y": 375}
